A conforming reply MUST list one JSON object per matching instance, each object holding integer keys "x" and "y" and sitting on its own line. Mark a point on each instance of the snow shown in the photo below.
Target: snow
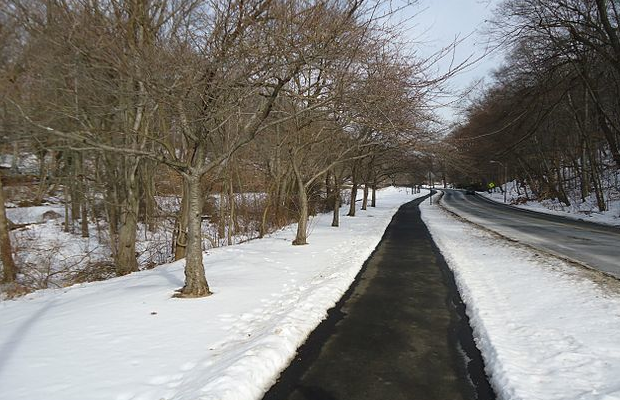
{"x": 28, "y": 163}
{"x": 546, "y": 329}
{"x": 586, "y": 210}
{"x": 50, "y": 257}
{"x": 126, "y": 338}
{"x": 34, "y": 215}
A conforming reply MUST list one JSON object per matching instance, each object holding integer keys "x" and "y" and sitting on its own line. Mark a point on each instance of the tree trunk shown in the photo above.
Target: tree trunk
{"x": 610, "y": 137}
{"x": 281, "y": 199}
{"x": 231, "y": 212}
{"x": 365, "y": 199}
{"x": 148, "y": 194}
{"x": 126, "y": 258}
{"x": 15, "y": 159}
{"x": 75, "y": 189}
{"x": 302, "y": 224}
{"x": 353, "y": 193}
{"x": 584, "y": 180}
{"x": 195, "y": 279}
{"x": 221, "y": 227}
{"x": 9, "y": 270}
{"x": 329, "y": 195}
{"x": 65, "y": 191}
{"x": 336, "y": 195}
{"x": 561, "y": 192}
{"x": 263, "y": 222}
{"x": 42, "y": 188}
{"x": 373, "y": 200}
{"x": 596, "y": 182}
{"x": 84, "y": 218}
{"x": 82, "y": 192}
{"x": 180, "y": 242}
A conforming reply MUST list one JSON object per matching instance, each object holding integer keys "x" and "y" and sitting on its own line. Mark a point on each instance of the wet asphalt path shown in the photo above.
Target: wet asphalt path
{"x": 400, "y": 332}
{"x": 590, "y": 244}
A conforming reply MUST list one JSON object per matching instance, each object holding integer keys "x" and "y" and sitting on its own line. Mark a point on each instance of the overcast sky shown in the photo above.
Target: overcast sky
{"x": 438, "y": 22}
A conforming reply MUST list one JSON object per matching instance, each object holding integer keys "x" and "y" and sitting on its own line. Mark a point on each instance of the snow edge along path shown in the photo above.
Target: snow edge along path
{"x": 127, "y": 339}
{"x": 546, "y": 329}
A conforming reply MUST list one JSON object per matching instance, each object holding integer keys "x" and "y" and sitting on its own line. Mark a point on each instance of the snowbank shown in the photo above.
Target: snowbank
{"x": 126, "y": 338}
{"x": 547, "y": 330}
{"x": 34, "y": 215}
{"x": 586, "y": 210}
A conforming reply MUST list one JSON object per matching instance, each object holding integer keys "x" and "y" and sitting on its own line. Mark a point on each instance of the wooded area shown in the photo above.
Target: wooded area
{"x": 159, "y": 117}
{"x": 551, "y": 118}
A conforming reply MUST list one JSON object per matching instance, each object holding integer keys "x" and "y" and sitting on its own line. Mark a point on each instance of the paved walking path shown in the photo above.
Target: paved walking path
{"x": 399, "y": 333}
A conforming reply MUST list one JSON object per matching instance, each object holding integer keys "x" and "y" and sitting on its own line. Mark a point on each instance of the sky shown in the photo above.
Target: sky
{"x": 437, "y": 23}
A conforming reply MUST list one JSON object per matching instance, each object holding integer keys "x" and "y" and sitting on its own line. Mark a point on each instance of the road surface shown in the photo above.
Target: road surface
{"x": 400, "y": 332}
{"x": 595, "y": 246}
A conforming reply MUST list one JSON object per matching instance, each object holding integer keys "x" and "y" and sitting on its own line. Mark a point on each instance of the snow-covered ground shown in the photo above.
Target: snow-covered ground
{"x": 34, "y": 215}
{"x": 49, "y": 257}
{"x": 126, "y": 338}
{"x": 581, "y": 210}
{"x": 546, "y": 329}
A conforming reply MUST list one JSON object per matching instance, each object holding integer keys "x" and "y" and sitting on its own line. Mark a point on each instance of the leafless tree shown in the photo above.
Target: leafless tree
{"x": 9, "y": 270}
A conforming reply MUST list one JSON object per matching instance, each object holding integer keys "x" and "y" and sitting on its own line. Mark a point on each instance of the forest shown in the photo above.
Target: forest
{"x": 550, "y": 120}
{"x": 147, "y": 131}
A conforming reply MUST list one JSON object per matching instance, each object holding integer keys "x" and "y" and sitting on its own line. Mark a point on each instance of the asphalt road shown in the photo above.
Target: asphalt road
{"x": 400, "y": 332}
{"x": 595, "y": 246}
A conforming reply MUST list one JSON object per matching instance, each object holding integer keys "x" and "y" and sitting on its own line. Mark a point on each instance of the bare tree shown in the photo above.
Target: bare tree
{"x": 9, "y": 270}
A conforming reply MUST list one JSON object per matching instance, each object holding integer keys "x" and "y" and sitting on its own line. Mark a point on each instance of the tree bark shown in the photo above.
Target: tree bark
{"x": 353, "y": 193}
{"x": 221, "y": 226}
{"x": 610, "y": 137}
{"x": 336, "y": 195}
{"x": 365, "y": 199}
{"x": 329, "y": 196}
{"x": 84, "y": 218}
{"x": 147, "y": 173}
{"x": 584, "y": 180}
{"x": 82, "y": 192}
{"x": 126, "y": 259}
{"x": 9, "y": 270}
{"x": 74, "y": 187}
{"x": 373, "y": 200}
{"x": 263, "y": 221}
{"x": 301, "y": 236}
{"x": 180, "y": 242}
{"x": 231, "y": 212}
{"x": 15, "y": 159}
{"x": 65, "y": 191}
{"x": 595, "y": 179}
{"x": 195, "y": 279}
{"x": 42, "y": 189}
